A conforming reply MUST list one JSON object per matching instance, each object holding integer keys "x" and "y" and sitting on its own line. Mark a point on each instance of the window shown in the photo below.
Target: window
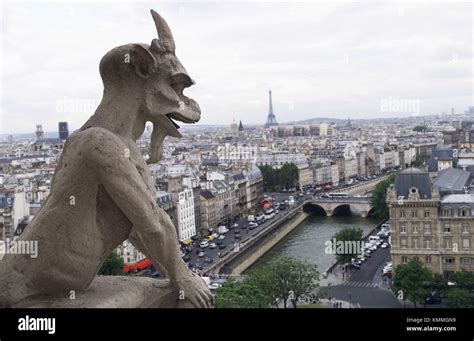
{"x": 428, "y": 243}
{"x": 415, "y": 243}
{"x": 428, "y": 259}
{"x": 464, "y": 212}
{"x": 403, "y": 243}
{"x": 447, "y": 228}
{"x": 466, "y": 261}
{"x": 402, "y": 214}
{"x": 449, "y": 260}
{"x": 447, "y": 243}
{"x": 404, "y": 259}
{"x": 414, "y": 214}
{"x": 427, "y": 214}
{"x": 427, "y": 229}
{"x": 415, "y": 228}
{"x": 446, "y": 212}
{"x": 402, "y": 229}
{"x": 465, "y": 243}
{"x": 465, "y": 228}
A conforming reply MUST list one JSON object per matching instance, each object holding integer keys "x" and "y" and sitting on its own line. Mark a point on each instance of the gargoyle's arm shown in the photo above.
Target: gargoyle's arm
{"x": 154, "y": 229}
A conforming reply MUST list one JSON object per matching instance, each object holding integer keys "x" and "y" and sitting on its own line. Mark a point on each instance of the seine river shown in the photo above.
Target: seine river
{"x": 306, "y": 241}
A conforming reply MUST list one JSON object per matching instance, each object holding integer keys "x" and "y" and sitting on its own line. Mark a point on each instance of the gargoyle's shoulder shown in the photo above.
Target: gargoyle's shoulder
{"x": 96, "y": 142}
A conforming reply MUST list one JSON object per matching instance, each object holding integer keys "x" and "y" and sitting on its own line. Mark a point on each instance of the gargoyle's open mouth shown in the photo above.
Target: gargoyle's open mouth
{"x": 170, "y": 118}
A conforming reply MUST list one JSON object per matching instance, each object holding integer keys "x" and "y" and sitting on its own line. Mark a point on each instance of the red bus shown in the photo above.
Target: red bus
{"x": 138, "y": 266}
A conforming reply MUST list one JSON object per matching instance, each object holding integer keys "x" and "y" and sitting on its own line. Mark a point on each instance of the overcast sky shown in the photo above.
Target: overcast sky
{"x": 319, "y": 59}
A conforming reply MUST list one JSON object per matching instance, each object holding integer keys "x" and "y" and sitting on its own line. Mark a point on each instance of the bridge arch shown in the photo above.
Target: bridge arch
{"x": 342, "y": 210}
{"x": 314, "y": 209}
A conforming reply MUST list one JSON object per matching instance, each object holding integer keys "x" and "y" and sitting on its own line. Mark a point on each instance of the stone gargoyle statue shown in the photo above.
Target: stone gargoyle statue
{"x": 102, "y": 192}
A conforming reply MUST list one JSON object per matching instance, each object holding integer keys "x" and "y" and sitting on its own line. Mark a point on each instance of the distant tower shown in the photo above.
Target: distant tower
{"x": 271, "y": 119}
{"x": 452, "y": 111}
{"x": 39, "y": 132}
{"x": 233, "y": 126}
{"x": 241, "y": 127}
{"x": 63, "y": 130}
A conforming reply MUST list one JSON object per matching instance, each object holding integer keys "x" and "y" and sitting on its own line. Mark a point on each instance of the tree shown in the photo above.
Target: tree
{"x": 379, "y": 195}
{"x": 275, "y": 179}
{"x": 112, "y": 266}
{"x": 287, "y": 279}
{"x": 241, "y": 294}
{"x": 281, "y": 280}
{"x": 420, "y": 128}
{"x": 439, "y": 285}
{"x": 347, "y": 237}
{"x": 459, "y": 298}
{"x": 463, "y": 279}
{"x": 288, "y": 175}
{"x": 421, "y": 160}
{"x": 412, "y": 281}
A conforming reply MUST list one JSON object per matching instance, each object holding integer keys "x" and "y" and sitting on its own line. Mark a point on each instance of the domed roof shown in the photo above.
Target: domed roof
{"x": 413, "y": 178}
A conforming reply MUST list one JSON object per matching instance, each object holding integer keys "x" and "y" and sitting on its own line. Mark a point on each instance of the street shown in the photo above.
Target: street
{"x": 363, "y": 288}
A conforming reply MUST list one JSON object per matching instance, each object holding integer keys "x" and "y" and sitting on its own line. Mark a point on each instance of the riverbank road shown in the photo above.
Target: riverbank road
{"x": 363, "y": 287}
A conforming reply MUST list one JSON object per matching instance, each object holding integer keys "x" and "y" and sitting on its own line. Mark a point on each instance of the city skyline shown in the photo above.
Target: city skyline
{"x": 307, "y": 54}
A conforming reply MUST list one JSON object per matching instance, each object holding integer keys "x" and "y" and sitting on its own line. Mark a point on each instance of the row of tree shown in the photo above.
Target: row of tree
{"x": 415, "y": 282}
{"x": 282, "y": 281}
{"x": 379, "y": 195}
{"x": 274, "y": 179}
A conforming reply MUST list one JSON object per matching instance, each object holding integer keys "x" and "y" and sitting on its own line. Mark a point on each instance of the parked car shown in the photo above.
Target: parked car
{"x": 384, "y": 246}
{"x": 433, "y": 298}
{"x": 212, "y": 245}
{"x": 221, "y": 237}
{"x": 186, "y": 258}
{"x": 222, "y": 246}
{"x": 201, "y": 254}
{"x": 354, "y": 266}
{"x": 219, "y": 242}
{"x": 213, "y": 286}
{"x": 236, "y": 231}
{"x": 235, "y": 225}
{"x": 204, "y": 244}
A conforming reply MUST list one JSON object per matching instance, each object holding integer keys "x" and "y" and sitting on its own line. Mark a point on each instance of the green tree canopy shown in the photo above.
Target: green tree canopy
{"x": 412, "y": 281}
{"x": 350, "y": 235}
{"x": 379, "y": 195}
{"x": 277, "y": 178}
{"x": 243, "y": 294}
{"x": 113, "y": 265}
{"x": 282, "y": 280}
{"x": 463, "y": 279}
{"x": 420, "y": 128}
{"x": 459, "y": 298}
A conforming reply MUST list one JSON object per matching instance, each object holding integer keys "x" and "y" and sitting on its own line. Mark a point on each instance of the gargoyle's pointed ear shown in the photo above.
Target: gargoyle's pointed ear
{"x": 143, "y": 61}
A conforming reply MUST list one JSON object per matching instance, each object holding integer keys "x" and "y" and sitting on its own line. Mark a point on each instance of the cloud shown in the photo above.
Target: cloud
{"x": 319, "y": 59}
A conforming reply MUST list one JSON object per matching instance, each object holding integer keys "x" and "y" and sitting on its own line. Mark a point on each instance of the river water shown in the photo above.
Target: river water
{"x": 307, "y": 241}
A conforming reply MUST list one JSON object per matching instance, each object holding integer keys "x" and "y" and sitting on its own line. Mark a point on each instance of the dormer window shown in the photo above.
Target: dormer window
{"x": 464, "y": 212}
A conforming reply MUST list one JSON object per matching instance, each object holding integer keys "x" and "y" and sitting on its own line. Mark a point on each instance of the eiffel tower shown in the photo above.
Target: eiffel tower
{"x": 271, "y": 119}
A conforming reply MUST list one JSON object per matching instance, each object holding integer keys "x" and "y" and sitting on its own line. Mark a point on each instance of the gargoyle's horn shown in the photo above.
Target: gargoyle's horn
{"x": 164, "y": 32}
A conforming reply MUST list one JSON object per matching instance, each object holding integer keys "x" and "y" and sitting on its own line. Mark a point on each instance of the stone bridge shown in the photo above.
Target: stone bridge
{"x": 340, "y": 206}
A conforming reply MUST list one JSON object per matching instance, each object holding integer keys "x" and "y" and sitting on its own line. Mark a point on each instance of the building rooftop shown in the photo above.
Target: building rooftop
{"x": 458, "y": 199}
{"x": 452, "y": 179}
{"x": 413, "y": 177}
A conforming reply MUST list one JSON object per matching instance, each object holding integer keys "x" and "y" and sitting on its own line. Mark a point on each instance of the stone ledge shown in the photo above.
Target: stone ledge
{"x": 115, "y": 292}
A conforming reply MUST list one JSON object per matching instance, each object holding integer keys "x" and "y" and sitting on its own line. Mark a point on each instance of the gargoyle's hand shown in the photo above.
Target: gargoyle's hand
{"x": 193, "y": 289}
